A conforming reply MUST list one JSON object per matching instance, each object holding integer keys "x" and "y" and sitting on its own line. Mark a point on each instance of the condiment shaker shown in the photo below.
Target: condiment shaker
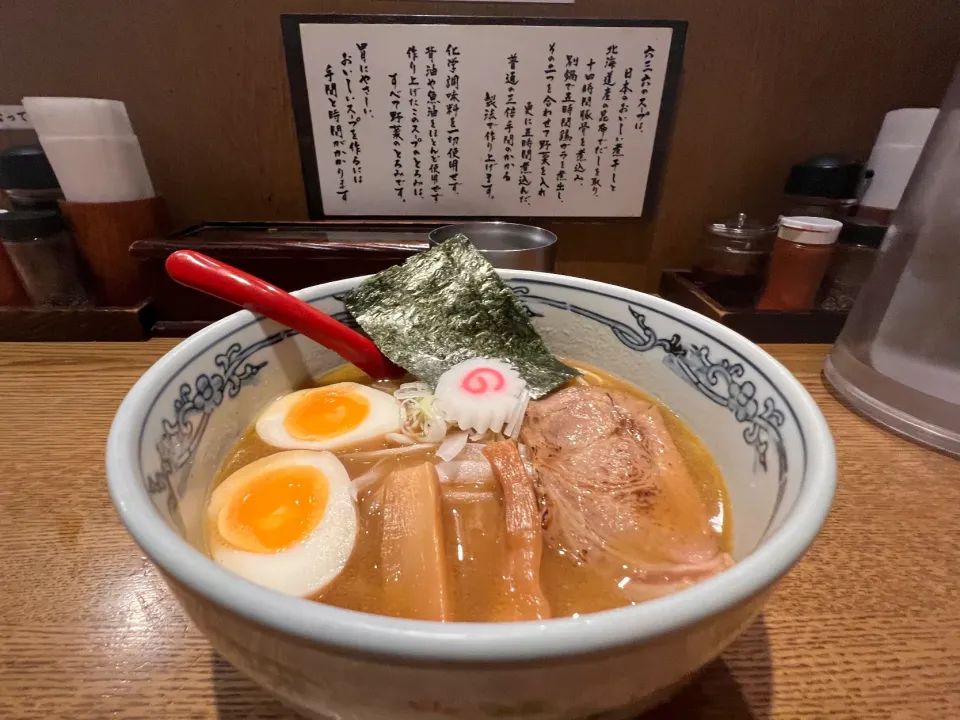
{"x": 44, "y": 256}
{"x": 801, "y": 254}
{"x": 11, "y": 291}
{"x": 823, "y": 186}
{"x": 853, "y": 258}
{"x": 27, "y": 179}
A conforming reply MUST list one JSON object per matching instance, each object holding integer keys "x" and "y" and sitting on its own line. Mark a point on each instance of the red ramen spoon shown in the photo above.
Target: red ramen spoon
{"x": 197, "y": 271}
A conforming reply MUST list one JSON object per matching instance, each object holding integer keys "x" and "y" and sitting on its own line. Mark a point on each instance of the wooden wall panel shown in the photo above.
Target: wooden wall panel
{"x": 766, "y": 83}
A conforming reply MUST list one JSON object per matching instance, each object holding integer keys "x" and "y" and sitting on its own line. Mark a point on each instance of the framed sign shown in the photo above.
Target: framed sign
{"x": 481, "y": 117}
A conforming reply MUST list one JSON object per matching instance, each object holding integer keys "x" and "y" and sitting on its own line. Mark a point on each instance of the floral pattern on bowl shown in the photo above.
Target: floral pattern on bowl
{"x": 181, "y": 419}
{"x": 699, "y": 361}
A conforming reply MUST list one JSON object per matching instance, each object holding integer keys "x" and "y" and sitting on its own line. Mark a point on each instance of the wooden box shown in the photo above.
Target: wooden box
{"x": 762, "y": 326}
{"x": 75, "y": 324}
{"x": 291, "y": 255}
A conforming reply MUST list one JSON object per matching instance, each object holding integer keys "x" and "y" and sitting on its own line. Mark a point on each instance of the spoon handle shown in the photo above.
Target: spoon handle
{"x": 203, "y": 273}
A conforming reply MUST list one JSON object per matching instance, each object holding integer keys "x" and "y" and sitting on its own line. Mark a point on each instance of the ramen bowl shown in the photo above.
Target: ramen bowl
{"x": 766, "y": 434}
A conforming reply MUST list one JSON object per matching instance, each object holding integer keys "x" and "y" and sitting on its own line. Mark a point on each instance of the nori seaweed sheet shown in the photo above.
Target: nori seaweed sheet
{"x": 446, "y": 305}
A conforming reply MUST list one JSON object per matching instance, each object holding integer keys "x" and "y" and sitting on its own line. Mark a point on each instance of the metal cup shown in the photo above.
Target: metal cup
{"x": 506, "y": 245}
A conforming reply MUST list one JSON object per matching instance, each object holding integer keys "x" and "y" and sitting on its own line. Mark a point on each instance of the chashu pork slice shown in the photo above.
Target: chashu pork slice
{"x": 616, "y": 491}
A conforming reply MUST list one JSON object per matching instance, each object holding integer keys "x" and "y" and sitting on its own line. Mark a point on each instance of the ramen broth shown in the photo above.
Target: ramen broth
{"x": 474, "y": 527}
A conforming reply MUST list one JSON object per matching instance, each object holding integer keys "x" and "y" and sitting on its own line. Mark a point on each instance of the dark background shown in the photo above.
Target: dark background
{"x": 765, "y": 83}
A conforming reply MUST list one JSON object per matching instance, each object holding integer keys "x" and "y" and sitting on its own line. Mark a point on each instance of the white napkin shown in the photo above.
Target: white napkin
{"x": 77, "y": 117}
{"x": 99, "y": 169}
{"x": 92, "y": 148}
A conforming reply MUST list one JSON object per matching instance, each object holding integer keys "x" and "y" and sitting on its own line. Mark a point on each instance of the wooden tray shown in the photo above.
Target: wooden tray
{"x": 762, "y": 326}
{"x": 35, "y": 324}
{"x": 291, "y": 255}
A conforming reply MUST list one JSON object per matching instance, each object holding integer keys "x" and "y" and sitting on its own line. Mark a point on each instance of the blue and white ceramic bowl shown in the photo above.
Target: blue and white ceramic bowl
{"x": 764, "y": 430}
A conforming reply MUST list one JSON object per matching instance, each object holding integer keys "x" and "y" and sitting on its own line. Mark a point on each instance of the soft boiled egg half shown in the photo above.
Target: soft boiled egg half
{"x": 332, "y": 417}
{"x": 286, "y": 522}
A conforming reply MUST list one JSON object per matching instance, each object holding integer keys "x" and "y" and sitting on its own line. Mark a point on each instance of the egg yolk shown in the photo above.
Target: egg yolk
{"x": 275, "y": 510}
{"x": 323, "y": 414}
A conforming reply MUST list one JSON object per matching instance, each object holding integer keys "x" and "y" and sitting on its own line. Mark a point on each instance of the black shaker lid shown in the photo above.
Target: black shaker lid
{"x": 18, "y": 225}
{"x": 25, "y": 167}
{"x": 826, "y": 176}
{"x": 868, "y": 233}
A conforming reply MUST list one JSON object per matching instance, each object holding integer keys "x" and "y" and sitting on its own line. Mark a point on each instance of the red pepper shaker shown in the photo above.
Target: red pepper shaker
{"x": 800, "y": 257}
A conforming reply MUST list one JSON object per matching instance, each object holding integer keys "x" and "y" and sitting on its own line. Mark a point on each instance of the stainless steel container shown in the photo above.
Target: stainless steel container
{"x": 506, "y": 245}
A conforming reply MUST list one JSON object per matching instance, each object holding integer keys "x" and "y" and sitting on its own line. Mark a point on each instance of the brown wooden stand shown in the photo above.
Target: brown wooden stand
{"x": 83, "y": 324}
{"x": 291, "y": 255}
{"x": 104, "y": 233}
{"x": 762, "y": 326}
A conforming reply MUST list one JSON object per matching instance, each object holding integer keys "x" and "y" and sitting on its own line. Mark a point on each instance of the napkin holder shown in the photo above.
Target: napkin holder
{"x": 104, "y": 233}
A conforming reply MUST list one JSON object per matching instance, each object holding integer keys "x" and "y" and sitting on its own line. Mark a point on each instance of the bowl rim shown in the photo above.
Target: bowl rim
{"x": 417, "y": 640}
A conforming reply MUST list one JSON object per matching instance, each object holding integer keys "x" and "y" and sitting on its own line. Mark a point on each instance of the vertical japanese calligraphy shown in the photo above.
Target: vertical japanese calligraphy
{"x": 646, "y": 80}
{"x": 435, "y": 190}
{"x": 416, "y": 138}
{"x": 453, "y": 109}
{"x": 336, "y": 131}
{"x": 364, "y": 77}
{"x": 466, "y": 119}
{"x": 526, "y": 153}
{"x": 509, "y": 113}
{"x": 586, "y": 118}
{"x": 617, "y": 153}
{"x": 547, "y": 120}
{"x": 490, "y": 137}
{"x": 353, "y": 119}
{"x": 396, "y": 130}
{"x": 603, "y": 121}
{"x": 566, "y": 121}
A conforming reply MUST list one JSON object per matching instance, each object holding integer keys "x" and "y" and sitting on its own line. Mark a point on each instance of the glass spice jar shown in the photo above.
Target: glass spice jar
{"x": 45, "y": 257}
{"x": 800, "y": 257}
{"x": 856, "y": 251}
{"x": 731, "y": 259}
{"x": 737, "y": 246}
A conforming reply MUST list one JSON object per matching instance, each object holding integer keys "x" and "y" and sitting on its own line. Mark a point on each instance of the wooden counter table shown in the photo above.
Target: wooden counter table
{"x": 867, "y": 626}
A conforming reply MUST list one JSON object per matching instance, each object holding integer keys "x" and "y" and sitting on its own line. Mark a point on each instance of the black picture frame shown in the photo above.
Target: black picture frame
{"x": 296, "y": 75}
